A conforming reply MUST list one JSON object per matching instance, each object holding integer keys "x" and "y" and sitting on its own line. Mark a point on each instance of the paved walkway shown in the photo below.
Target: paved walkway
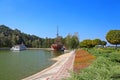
{"x": 57, "y": 71}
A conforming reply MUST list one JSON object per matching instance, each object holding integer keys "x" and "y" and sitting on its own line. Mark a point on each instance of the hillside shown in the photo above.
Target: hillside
{"x": 10, "y": 37}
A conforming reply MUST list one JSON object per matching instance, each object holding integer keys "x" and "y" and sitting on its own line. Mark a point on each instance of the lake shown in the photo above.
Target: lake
{"x": 21, "y": 64}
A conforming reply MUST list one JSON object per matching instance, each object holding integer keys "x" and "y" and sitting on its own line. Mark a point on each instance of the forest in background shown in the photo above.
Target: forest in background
{"x": 10, "y": 37}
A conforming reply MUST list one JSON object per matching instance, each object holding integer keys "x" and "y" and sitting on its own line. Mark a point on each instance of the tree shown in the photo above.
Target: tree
{"x": 2, "y": 39}
{"x": 9, "y": 38}
{"x": 113, "y": 37}
{"x": 67, "y": 41}
{"x": 86, "y": 43}
{"x": 103, "y": 43}
{"x": 72, "y": 41}
{"x": 36, "y": 43}
{"x": 96, "y": 42}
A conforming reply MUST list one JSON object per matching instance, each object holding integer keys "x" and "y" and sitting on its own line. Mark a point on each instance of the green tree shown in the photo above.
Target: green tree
{"x": 104, "y": 43}
{"x": 67, "y": 41}
{"x": 9, "y": 37}
{"x": 74, "y": 41}
{"x": 86, "y": 43}
{"x": 2, "y": 39}
{"x": 113, "y": 37}
{"x": 96, "y": 42}
{"x": 48, "y": 42}
{"x": 36, "y": 43}
{"x": 8, "y": 41}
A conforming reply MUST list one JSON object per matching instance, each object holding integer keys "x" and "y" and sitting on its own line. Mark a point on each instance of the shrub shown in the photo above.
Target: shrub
{"x": 105, "y": 67}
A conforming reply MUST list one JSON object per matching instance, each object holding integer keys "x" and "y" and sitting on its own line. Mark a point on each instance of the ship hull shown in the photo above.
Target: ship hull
{"x": 57, "y": 47}
{"x": 18, "y": 47}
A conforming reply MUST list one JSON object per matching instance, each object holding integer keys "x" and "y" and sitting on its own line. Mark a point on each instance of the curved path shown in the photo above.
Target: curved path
{"x": 57, "y": 71}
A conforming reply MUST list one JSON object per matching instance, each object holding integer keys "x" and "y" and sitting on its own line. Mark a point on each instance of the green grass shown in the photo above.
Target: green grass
{"x": 105, "y": 67}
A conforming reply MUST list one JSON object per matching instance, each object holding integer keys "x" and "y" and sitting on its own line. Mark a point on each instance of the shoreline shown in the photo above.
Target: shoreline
{"x": 39, "y": 49}
{"x": 7, "y": 48}
{"x": 49, "y": 49}
{"x": 53, "y": 69}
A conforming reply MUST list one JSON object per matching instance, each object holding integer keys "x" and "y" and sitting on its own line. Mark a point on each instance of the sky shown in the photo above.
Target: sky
{"x": 90, "y": 18}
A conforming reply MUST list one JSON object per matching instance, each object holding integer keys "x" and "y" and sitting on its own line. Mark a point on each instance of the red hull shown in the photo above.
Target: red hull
{"x": 57, "y": 47}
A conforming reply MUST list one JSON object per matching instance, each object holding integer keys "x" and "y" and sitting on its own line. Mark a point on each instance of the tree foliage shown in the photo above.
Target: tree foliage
{"x": 113, "y": 37}
{"x": 104, "y": 43}
{"x": 87, "y": 43}
{"x": 9, "y": 37}
{"x": 68, "y": 41}
{"x": 72, "y": 41}
{"x": 97, "y": 42}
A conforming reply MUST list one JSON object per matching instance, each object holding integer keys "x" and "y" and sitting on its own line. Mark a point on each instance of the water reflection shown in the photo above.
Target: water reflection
{"x": 57, "y": 53}
{"x": 15, "y": 51}
{"x": 20, "y": 64}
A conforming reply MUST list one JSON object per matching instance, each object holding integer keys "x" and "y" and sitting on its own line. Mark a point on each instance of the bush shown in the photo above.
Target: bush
{"x": 115, "y": 57}
{"x": 101, "y": 69}
{"x": 105, "y": 67}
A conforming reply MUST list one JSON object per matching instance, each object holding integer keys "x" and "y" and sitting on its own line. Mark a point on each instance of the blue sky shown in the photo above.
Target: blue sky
{"x": 90, "y": 18}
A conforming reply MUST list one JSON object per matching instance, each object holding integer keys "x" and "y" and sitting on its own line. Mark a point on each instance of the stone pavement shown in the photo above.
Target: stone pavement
{"x": 58, "y": 71}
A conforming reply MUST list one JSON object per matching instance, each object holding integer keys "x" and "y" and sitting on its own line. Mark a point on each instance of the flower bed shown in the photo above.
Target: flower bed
{"x": 82, "y": 60}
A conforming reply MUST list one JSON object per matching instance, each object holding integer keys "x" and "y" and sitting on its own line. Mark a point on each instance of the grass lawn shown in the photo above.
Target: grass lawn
{"x": 96, "y": 64}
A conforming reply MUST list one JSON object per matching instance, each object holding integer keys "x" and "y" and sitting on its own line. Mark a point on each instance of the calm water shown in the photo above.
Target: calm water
{"x": 18, "y": 65}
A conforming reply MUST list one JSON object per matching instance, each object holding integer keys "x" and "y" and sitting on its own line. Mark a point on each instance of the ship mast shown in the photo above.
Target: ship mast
{"x": 58, "y": 38}
{"x": 57, "y": 32}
